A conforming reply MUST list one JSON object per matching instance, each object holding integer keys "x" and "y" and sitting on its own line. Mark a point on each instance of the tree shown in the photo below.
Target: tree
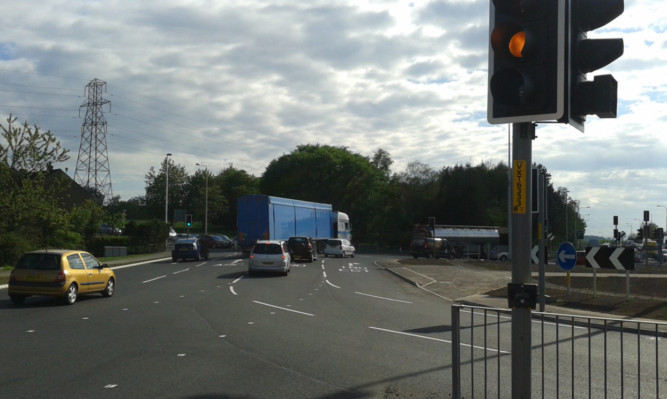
{"x": 198, "y": 197}
{"x": 28, "y": 149}
{"x": 329, "y": 175}
{"x": 30, "y": 216}
{"x": 382, "y": 161}
{"x": 156, "y": 185}
{"x": 234, "y": 183}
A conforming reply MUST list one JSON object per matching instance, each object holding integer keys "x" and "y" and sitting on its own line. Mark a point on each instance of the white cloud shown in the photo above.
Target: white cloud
{"x": 244, "y": 82}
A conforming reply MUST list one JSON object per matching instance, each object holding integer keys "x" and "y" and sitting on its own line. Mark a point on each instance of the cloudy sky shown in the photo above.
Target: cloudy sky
{"x": 222, "y": 82}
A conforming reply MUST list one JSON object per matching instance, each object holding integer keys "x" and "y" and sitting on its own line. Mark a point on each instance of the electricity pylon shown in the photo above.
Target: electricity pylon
{"x": 92, "y": 164}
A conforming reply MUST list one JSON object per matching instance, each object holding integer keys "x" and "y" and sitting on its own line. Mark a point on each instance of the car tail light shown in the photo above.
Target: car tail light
{"x": 61, "y": 276}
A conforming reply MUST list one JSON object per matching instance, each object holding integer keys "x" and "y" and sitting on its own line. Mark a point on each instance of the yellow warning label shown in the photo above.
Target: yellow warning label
{"x": 519, "y": 187}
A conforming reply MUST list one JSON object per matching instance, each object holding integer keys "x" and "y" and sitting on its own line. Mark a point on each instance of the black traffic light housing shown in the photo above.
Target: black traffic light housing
{"x": 585, "y": 55}
{"x": 188, "y": 220}
{"x": 527, "y": 78}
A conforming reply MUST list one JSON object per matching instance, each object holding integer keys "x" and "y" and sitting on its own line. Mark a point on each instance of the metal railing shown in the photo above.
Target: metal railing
{"x": 572, "y": 356}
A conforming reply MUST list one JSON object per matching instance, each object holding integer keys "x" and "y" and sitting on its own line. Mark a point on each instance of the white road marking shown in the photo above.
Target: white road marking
{"x": 329, "y": 282}
{"x": 181, "y": 271}
{"x": 434, "y": 339}
{"x": 380, "y": 297}
{"x": 237, "y": 280}
{"x": 153, "y": 279}
{"x": 231, "y": 288}
{"x": 281, "y": 308}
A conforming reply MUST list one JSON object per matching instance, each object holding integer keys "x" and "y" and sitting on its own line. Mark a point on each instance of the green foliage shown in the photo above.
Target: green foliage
{"x": 32, "y": 211}
{"x": 85, "y": 220}
{"x": 156, "y": 182}
{"x": 146, "y": 237}
{"x": 67, "y": 239}
{"x": 28, "y": 149}
{"x": 12, "y": 246}
{"x": 329, "y": 175}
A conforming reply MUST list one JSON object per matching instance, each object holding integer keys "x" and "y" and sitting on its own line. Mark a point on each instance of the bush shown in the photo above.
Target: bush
{"x": 12, "y": 246}
{"x": 146, "y": 237}
{"x": 66, "y": 239}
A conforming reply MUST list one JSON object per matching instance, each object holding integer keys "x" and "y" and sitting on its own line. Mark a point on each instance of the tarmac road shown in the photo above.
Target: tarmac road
{"x": 470, "y": 282}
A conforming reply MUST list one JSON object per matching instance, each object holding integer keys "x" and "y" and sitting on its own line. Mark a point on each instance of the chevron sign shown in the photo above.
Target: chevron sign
{"x": 610, "y": 258}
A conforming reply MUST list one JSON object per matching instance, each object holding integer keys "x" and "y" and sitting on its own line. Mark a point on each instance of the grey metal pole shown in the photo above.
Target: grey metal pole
{"x": 523, "y": 135}
{"x": 541, "y": 225}
{"x": 166, "y": 190}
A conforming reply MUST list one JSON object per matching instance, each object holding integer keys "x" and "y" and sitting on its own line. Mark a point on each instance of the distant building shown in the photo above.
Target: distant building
{"x": 68, "y": 193}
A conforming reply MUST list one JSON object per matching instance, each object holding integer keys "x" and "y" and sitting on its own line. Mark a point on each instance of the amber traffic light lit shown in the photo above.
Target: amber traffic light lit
{"x": 517, "y": 43}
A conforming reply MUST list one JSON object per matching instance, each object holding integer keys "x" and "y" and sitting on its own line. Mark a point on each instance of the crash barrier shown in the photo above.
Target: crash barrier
{"x": 572, "y": 356}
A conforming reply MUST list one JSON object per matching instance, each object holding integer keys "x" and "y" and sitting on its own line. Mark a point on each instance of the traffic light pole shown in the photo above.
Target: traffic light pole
{"x": 521, "y": 295}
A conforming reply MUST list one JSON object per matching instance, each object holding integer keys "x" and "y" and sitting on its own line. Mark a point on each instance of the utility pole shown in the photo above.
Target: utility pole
{"x": 92, "y": 164}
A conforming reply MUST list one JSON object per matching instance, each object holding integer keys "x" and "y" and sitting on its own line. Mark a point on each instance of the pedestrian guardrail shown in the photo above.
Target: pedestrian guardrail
{"x": 572, "y": 357}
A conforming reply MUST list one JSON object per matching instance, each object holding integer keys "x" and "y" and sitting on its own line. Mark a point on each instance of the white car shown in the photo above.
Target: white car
{"x": 339, "y": 247}
{"x": 269, "y": 256}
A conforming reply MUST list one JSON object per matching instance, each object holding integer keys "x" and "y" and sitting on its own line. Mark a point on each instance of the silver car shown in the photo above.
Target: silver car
{"x": 269, "y": 256}
{"x": 339, "y": 247}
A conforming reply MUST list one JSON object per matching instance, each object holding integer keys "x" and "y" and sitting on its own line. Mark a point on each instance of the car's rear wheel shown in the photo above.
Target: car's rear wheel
{"x": 17, "y": 300}
{"x": 72, "y": 294}
{"x": 108, "y": 290}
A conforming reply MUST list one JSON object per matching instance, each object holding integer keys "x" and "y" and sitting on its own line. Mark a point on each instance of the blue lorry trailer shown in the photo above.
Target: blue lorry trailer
{"x": 263, "y": 217}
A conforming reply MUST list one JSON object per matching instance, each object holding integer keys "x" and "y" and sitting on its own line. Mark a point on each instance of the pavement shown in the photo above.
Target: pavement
{"x": 467, "y": 283}
{"x": 456, "y": 281}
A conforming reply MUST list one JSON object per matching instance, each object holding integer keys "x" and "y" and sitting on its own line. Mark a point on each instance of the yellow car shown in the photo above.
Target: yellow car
{"x": 62, "y": 273}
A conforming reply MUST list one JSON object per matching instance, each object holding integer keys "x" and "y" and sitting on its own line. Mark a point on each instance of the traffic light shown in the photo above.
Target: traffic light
{"x": 188, "y": 220}
{"x": 526, "y": 61}
{"x": 587, "y": 55}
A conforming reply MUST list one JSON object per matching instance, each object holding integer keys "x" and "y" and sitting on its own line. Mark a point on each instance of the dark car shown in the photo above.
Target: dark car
{"x": 302, "y": 248}
{"x": 428, "y": 247}
{"x": 213, "y": 241}
{"x": 228, "y": 241}
{"x": 189, "y": 248}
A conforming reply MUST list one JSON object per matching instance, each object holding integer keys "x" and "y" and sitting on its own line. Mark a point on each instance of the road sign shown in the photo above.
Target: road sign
{"x": 566, "y": 256}
{"x": 610, "y": 258}
{"x": 535, "y": 254}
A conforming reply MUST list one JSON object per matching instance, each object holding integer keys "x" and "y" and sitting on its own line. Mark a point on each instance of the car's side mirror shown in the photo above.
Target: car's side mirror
{"x": 103, "y": 265}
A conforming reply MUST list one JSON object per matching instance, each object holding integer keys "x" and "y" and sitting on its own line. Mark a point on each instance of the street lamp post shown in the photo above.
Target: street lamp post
{"x": 206, "y": 200}
{"x": 566, "y": 211}
{"x": 166, "y": 189}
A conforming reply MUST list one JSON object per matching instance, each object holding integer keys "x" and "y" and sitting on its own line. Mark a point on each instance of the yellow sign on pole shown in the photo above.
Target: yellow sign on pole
{"x": 519, "y": 187}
